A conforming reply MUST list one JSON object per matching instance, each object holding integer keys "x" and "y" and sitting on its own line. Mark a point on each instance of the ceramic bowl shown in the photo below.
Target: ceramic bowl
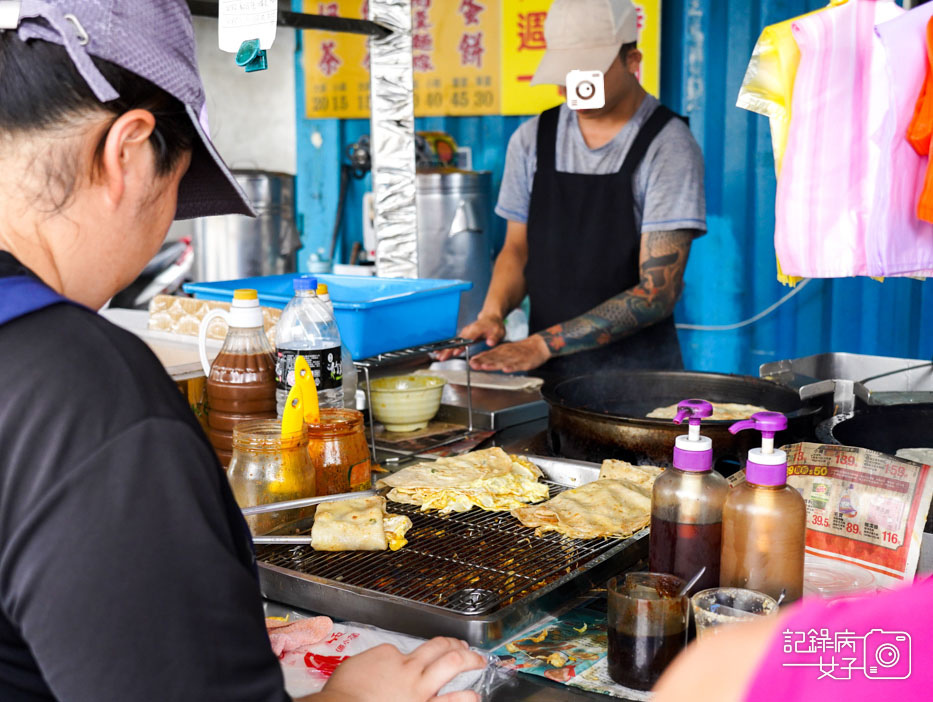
{"x": 406, "y": 402}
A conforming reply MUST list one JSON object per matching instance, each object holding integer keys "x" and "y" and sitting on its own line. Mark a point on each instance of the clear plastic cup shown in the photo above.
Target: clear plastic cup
{"x": 647, "y": 626}
{"x": 721, "y": 606}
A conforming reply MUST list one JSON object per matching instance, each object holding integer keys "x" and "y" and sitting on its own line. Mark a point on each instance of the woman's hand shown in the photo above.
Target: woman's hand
{"x": 384, "y": 674}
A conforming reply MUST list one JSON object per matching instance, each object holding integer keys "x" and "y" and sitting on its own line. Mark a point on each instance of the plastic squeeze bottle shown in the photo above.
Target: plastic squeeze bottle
{"x": 349, "y": 370}
{"x": 764, "y": 521}
{"x": 686, "y": 505}
{"x": 307, "y": 327}
{"x": 241, "y": 380}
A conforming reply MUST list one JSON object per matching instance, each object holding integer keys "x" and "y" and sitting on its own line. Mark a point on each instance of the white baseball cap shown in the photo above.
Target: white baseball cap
{"x": 584, "y": 35}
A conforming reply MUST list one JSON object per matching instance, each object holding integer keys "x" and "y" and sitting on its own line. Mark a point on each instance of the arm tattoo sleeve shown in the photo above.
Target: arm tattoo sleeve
{"x": 662, "y": 262}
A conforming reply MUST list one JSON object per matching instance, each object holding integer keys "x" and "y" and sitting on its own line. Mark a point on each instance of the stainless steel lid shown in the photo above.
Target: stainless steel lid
{"x": 453, "y": 180}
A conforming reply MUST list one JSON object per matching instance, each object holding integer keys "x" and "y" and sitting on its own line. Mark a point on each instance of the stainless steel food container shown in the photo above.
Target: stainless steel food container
{"x": 234, "y": 246}
{"x": 453, "y": 232}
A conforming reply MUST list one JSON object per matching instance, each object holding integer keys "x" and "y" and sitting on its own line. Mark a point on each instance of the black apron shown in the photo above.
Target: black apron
{"x": 583, "y": 248}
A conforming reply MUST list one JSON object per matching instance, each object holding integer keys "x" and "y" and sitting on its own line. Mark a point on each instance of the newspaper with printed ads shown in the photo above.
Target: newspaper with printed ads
{"x": 865, "y": 515}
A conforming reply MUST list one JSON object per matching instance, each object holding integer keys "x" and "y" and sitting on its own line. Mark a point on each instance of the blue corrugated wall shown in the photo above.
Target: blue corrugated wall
{"x": 730, "y": 276}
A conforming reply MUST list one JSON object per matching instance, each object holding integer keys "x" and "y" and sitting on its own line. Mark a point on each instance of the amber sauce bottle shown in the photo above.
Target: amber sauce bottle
{"x": 241, "y": 383}
{"x": 686, "y": 506}
{"x": 764, "y": 523}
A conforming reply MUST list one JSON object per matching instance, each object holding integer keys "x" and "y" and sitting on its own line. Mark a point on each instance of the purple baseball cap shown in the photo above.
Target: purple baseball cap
{"x": 155, "y": 40}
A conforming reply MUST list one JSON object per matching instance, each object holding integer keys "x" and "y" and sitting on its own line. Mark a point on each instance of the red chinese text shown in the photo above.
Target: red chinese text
{"x": 531, "y": 31}
{"x": 471, "y": 50}
{"x": 470, "y": 9}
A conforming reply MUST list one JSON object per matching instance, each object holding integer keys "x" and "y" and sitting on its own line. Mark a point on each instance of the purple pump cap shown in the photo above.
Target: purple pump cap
{"x": 768, "y": 423}
{"x": 696, "y": 410}
{"x": 765, "y": 468}
{"x": 305, "y": 282}
{"x": 693, "y": 452}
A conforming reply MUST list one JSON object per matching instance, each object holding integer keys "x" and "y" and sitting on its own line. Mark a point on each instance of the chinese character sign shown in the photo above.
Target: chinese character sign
{"x": 471, "y": 57}
{"x": 523, "y": 45}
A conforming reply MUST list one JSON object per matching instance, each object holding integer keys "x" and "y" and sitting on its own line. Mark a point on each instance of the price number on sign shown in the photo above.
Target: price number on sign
{"x": 845, "y": 460}
{"x": 819, "y": 520}
{"x": 889, "y": 536}
{"x": 851, "y": 528}
{"x": 323, "y": 103}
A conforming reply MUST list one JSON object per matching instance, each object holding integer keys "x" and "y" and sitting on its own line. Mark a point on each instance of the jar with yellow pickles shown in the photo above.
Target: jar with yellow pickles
{"x": 268, "y": 467}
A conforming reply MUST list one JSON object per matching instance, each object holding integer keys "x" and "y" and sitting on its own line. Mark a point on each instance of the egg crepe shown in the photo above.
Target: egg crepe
{"x": 603, "y": 508}
{"x": 623, "y": 470}
{"x": 358, "y": 524}
{"x": 721, "y": 411}
{"x": 488, "y": 479}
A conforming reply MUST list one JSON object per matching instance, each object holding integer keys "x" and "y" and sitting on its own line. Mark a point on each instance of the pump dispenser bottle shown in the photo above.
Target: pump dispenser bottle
{"x": 686, "y": 505}
{"x": 764, "y": 520}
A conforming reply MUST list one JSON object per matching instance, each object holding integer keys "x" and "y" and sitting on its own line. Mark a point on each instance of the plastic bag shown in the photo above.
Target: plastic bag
{"x": 307, "y": 672}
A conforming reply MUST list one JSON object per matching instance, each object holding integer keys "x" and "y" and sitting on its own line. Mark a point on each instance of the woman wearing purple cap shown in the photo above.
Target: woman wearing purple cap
{"x": 126, "y": 571}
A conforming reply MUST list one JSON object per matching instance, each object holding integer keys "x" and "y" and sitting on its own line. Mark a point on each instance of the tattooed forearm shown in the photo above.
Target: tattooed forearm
{"x": 662, "y": 263}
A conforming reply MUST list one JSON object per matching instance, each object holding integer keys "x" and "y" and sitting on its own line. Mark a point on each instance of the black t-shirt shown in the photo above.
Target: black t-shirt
{"x": 126, "y": 571}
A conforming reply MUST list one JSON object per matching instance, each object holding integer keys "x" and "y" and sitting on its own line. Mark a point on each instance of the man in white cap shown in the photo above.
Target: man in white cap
{"x": 602, "y": 206}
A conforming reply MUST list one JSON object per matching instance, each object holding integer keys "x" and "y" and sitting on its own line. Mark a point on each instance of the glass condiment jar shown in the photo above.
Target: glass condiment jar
{"x": 267, "y": 467}
{"x": 339, "y": 452}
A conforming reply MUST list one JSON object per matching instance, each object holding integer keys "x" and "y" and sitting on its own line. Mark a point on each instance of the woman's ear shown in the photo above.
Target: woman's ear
{"x": 126, "y": 153}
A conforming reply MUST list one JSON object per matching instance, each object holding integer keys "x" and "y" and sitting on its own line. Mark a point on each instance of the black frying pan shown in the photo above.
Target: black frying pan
{"x": 602, "y": 415}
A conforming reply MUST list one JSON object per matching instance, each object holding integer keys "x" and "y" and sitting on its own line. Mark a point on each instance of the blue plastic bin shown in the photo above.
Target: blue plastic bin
{"x": 374, "y": 315}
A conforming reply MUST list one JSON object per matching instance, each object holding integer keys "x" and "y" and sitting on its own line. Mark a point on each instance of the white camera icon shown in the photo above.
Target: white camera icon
{"x": 585, "y": 90}
{"x": 887, "y": 655}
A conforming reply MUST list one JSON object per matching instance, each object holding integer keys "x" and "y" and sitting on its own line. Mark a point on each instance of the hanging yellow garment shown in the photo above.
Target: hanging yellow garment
{"x": 769, "y": 86}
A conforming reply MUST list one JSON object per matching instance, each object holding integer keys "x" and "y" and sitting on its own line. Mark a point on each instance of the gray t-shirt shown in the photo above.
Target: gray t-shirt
{"x": 668, "y": 182}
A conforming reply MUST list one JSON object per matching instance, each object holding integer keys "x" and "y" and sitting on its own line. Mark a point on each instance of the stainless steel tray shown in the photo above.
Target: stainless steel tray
{"x": 479, "y": 576}
{"x": 875, "y": 380}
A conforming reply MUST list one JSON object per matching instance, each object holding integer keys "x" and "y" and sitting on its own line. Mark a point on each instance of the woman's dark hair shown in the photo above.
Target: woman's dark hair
{"x": 40, "y": 88}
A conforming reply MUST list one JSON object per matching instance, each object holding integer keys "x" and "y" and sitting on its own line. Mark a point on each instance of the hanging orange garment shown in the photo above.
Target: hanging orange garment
{"x": 920, "y": 131}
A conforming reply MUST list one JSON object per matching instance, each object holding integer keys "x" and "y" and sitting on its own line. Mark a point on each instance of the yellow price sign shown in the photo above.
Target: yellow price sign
{"x": 470, "y": 57}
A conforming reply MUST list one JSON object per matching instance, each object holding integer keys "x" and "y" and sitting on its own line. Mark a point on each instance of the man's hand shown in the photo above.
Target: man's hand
{"x": 523, "y": 355}
{"x": 384, "y": 674}
{"x": 486, "y": 328}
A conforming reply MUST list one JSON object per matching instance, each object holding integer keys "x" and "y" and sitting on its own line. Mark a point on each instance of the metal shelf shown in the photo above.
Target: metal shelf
{"x": 387, "y": 360}
{"x": 302, "y": 20}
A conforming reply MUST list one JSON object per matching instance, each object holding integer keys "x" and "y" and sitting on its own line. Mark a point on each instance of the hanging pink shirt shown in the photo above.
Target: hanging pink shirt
{"x": 902, "y": 242}
{"x": 878, "y": 648}
{"x": 826, "y": 189}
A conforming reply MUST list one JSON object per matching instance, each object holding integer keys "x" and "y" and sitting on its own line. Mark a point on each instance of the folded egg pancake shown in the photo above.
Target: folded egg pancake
{"x": 358, "y": 524}
{"x": 488, "y": 479}
{"x": 721, "y": 411}
{"x": 641, "y": 478}
{"x": 603, "y": 508}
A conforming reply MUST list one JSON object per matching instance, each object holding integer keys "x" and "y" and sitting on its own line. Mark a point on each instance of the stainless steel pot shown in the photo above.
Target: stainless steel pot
{"x": 234, "y": 246}
{"x": 453, "y": 232}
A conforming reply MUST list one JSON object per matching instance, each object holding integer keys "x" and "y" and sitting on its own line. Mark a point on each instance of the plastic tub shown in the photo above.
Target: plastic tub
{"x": 375, "y": 315}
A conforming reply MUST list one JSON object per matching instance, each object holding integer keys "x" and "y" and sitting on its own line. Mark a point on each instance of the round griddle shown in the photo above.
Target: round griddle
{"x": 881, "y": 428}
{"x": 602, "y": 415}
